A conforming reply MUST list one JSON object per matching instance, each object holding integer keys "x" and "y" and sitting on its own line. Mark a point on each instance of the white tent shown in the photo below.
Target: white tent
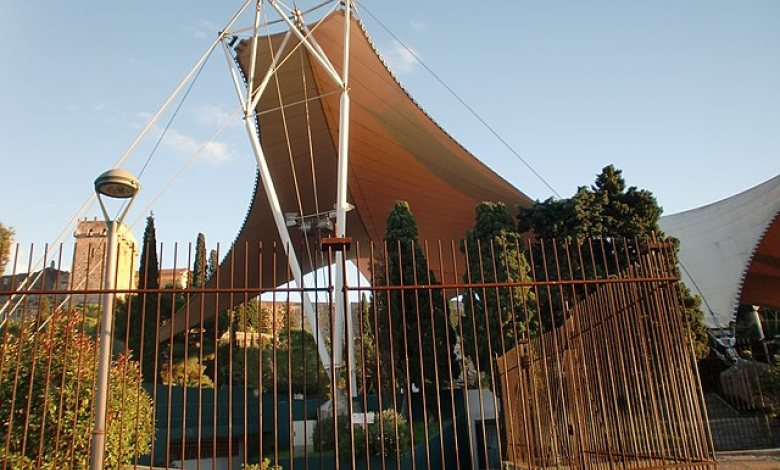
{"x": 730, "y": 251}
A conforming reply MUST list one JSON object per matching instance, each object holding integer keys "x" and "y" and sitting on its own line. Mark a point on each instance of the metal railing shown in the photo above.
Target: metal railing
{"x": 545, "y": 354}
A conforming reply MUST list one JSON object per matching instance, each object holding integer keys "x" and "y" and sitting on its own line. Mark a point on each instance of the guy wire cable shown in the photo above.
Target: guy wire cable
{"x": 90, "y": 199}
{"x": 462, "y": 101}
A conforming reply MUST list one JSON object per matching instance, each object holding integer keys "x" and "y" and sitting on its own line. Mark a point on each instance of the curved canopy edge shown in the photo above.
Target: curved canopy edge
{"x": 730, "y": 250}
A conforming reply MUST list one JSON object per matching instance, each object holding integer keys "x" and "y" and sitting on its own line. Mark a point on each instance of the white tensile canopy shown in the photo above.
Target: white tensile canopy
{"x": 730, "y": 251}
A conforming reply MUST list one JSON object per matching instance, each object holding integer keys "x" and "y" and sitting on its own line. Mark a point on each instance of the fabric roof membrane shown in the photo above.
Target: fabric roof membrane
{"x": 396, "y": 152}
{"x": 730, "y": 251}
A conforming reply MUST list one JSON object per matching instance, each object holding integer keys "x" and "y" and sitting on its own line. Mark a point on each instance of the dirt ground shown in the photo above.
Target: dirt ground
{"x": 766, "y": 460}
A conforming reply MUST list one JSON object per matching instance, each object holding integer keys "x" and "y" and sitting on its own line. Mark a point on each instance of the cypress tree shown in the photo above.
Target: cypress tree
{"x": 500, "y": 316}
{"x": 199, "y": 264}
{"x": 141, "y": 310}
{"x": 213, "y": 264}
{"x": 148, "y": 269}
{"x": 422, "y": 314}
{"x": 366, "y": 348}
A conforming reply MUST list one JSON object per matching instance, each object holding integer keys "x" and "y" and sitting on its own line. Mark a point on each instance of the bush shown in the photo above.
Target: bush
{"x": 384, "y": 438}
{"x": 323, "y": 437}
{"x": 53, "y": 376}
{"x": 187, "y": 373}
{"x": 305, "y": 375}
{"x": 264, "y": 465}
{"x": 245, "y": 366}
{"x": 379, "y": 438}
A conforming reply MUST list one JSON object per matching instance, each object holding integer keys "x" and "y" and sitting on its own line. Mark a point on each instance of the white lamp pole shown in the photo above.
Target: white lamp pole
{"x": 116, "y": 184}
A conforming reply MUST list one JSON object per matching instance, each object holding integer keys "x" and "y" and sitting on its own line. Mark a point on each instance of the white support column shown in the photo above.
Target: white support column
{"x": 351, "y": 357}
{"x": 342, "y": 307}
{"x": 270, "y": 73}
{"x": 284, "y": 235}
{"x": 281, "y": 226}
{"x": 342, "y": 314}
{"x": 253, "y": 61}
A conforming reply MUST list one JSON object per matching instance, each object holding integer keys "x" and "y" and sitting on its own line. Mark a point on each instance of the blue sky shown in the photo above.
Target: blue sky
{"x": 684, "y": 96}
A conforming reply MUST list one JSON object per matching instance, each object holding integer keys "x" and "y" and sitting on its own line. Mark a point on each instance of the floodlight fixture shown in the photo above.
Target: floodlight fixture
{"x": 291, "y": 219}
{"x": 325, "y": 224}
{"x": 117, "y": 183}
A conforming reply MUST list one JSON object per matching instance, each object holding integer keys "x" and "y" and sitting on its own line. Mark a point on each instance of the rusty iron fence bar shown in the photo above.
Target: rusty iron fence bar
{"x": 457, "y": 355}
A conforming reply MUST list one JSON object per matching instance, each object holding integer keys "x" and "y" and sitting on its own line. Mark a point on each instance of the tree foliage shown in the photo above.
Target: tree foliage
{"x": 365, "y": 349}
{"x": 199, "y": 268}
{"x": 148, "y": 270}
{"x": 6, "y": 239}
{"x": 237, "y": 365}
{"x": 264, "y": 465}
{"x": 611, "y": 213}
{"x": 494, "y": 319}
{"x": 414, "y": 321}
{"x": 213, "y": 264}
{"x": 252, "y": 317}
{"x": 387, "y": 439}
{"x": 694, "y": 319}
{"x": 139, "y": 317}
{"x": 52, "y": 377}
{"x": 137, "y": 326}
{"x": 297, "y": 367}
{"x": 187, "y": 373}
{"x": 605, "y": 209}
{"x": 286, "y": 364}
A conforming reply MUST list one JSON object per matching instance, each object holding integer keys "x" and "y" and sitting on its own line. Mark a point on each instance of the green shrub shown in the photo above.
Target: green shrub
{"x": 264, "y": 465}
{"x": 379, "y": 438}
{"x": 323, "y": 437}
{"x": 186, "y": 373}
{"x": 384, "y": 438}
{"x": 47, "y": 399}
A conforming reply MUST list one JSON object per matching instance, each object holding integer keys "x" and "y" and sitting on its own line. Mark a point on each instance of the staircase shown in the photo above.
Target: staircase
{"x": 732, "y": 430}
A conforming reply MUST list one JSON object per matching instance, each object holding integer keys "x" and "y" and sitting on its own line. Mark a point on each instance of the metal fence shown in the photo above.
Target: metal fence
{"x": 613, "y": 385}
{"x": 485, "y": 355}
{"x": 743, "y": 398}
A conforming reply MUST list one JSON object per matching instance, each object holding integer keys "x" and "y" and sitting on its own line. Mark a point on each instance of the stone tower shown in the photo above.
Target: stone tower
{"x": 88, "y": 258}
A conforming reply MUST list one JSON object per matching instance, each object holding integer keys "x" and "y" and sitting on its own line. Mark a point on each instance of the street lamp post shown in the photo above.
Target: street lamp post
{"x": 115, "y": 184}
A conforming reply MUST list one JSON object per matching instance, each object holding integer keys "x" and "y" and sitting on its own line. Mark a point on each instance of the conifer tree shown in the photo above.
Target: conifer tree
{"x": 606, "y": 209}
{"x": 213, "y": 264}
{"x": 199, "y": 264}
{"x": 610, "y": 212}
{"x": 494, "y": 319}
{"x": 142, "y": 311}
{"x": 419, "y": 317}
{"x": 148, "y": 272}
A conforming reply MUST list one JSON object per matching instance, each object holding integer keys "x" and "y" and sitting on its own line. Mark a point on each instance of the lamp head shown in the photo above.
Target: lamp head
{"x": 117, "y": 183}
